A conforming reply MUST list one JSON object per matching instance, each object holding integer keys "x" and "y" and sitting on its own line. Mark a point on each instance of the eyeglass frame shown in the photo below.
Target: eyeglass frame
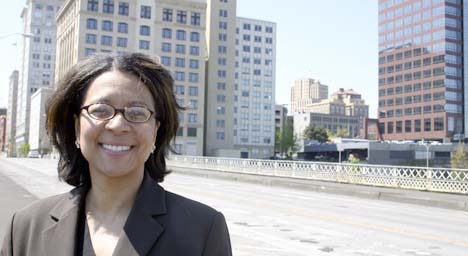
{"x": 118, "y": 110}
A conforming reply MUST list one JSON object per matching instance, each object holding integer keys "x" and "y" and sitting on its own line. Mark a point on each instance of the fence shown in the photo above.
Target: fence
{"x": 419, "y": 178}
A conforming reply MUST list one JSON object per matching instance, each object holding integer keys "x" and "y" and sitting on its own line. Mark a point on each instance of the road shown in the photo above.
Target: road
{"x": 278, "y": 221}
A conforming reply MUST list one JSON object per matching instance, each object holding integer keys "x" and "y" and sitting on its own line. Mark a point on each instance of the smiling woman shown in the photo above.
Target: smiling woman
{"x": 112, "y": 119}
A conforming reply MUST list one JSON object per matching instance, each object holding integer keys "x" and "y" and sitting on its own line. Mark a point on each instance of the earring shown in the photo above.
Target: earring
{"x": 77, "y": 143}
{"x": 153, "y": 149}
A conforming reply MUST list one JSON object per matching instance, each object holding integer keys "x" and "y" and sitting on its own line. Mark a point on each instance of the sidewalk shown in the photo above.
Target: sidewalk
{"x": 433, "y": 199}
{"x": 12, "y": 198}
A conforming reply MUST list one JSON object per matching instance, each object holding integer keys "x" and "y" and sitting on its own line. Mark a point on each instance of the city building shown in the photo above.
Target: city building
{"x": 421, "y": 70}
{"x": 370, "y": 129}
{"x": 10, "y": 137}
{"x": 220, "y": 79}
{"x": 37, "y": 61}
{"x": 280, "y": 117}
{"x": 171, "y": 31}
{"x": 305, "y": 92}
{"x": 3, "y": 127}
{"x": 254, "y": 90}
{"x": 38, "y": 139}
{"x": 344, "y": 110}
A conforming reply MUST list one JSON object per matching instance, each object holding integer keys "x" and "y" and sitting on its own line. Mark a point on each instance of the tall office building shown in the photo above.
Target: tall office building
{"x": 421, "y": 69}
{"x": 171, "y": 31}
{"x": 37, "y": 58}
{"x": 305, "y": 92}
{"x": 254, "y": 90}
{"x": 220, "y": 79}
{"x": 10, "y": 137}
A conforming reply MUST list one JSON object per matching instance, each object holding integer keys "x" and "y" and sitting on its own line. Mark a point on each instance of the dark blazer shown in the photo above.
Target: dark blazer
{"x": 160, "y": 223}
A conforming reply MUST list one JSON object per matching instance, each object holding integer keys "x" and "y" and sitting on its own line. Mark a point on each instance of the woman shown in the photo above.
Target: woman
{"x": 112, "y": 119}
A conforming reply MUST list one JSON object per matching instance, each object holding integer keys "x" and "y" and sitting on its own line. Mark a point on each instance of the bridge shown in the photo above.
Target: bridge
{"x": 289, "y": 220}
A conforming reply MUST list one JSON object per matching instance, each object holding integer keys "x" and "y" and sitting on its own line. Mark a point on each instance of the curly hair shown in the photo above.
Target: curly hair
{"x": 66, "y": 101}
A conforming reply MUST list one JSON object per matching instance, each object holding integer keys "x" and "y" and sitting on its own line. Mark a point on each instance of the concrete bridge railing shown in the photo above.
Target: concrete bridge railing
{"x": 418, "y": 178}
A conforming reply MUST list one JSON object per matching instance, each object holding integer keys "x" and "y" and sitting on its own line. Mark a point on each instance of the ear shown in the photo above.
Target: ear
{"x": 77, "y": 125}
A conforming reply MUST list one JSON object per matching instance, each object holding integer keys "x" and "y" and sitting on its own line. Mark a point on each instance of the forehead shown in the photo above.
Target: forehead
{"x": 119, "y": 88}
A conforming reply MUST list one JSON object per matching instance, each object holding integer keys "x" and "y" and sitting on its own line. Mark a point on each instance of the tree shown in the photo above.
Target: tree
{"x": 342, "y": 133}
{"x": 315, "y": 133}
{"x": 24, "y": 150}
{"x": 285, "y": 140}
{"x": 460, "y": 157}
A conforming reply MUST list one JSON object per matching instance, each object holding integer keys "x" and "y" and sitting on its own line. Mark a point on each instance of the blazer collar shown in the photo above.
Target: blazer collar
{"x": 59, "y": 238}
{"x": 141, "y": 228}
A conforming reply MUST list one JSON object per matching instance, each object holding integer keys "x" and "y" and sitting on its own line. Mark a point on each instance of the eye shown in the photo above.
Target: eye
{"x": 100, "y": 111}
{"x": 137, "y": 114}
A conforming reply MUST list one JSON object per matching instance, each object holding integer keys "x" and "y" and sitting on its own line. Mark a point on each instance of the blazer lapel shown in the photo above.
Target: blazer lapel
{"x": 59, "y": 238}
{"x": 141, "y": 228}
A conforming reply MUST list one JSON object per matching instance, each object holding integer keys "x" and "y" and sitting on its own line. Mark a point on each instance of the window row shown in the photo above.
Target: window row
{"x": 449, "y": 96}
{"x": 256, "y": 27}
{"x": 191, "y": 132}
{"x": 428, "y": 109}
{"x": 256, "y": 39}
{"x": 409, "y": 126}
{"x": 181, "y": 16}
{"x": 440, "y": 71}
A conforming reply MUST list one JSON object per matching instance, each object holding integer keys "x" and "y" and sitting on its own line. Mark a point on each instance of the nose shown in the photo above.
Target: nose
{"x": 118, "y": 123}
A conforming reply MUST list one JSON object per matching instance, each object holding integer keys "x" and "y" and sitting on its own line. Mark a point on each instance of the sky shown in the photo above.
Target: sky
{"x": 333, "y": 41}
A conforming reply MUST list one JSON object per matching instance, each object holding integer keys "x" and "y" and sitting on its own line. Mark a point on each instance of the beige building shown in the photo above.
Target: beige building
{"x": 344, "y": 110}
{"x": 38, "y": 139}
{"x": 37, "y": 60}
{"x": 11, "y": 114}
{"x": 171, "y": 31}
{"x": 305, "y": 92}
{"x": 220, "y": 79}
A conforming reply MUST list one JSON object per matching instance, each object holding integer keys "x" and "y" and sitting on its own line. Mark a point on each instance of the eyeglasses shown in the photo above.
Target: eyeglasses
{"x": 103, "y": 112}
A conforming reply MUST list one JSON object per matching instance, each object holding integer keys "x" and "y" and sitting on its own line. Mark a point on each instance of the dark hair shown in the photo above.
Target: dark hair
{"x": 65, "y": 104}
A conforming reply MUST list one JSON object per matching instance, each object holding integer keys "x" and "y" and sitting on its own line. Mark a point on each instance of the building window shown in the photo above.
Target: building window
{"x": 193, "y": 77}
{"x": 180, "y": 48}
{"x": 246, "y": 26}
{"x": 145, "y": 12}
{"x": 106, "y": 40}
{"x": 417, "y": 125}
{"x": 122, "y": 42}
{"x": 194, "y": 36}
{"x": 167, "y": 33}
{"x": 107, "y": 25}
{"x": 427, "y": 125}
{"x": 191, "y": 132}
{"x": 108, "y": 6}
{"x": 193, "y": 91}
{"x": 182, "y": 17}
{"x": 91, "y": 24}
{"x": 166, "y": 47}
{"x": 167, "y": 15}
{"x": 223, "y": 25}
{"x": 194, "y": 64}
{"x": 194, "y": 50}
{"x": 93, "y": 5}
{"x": 220, "y": 135}
{"x": 407, "y": 125}
{"x": 438, "y": 124}
{"x": 144, "y": 44}
{"x": 91, "y": 39}
{"x": 179, "y": 76}
{"x": 123, "y": 8}
{"x": 180, "y": 35}
{"x": 389, "y": 127}
{"x": 195, "y": 19}
{"x": 269, "y": 40}
{"x": 269, "y": 29}
{"x": 89, "y": 51}
{"x": 166, "y": 61}
{"x": 144, "y": 30}
{"x": 192, "y": 118}
{"x": 258, "y": 28}
{"x": 193, "y": 104}
{"x": 122, "y": 27}
{"x": 180, "y": 62}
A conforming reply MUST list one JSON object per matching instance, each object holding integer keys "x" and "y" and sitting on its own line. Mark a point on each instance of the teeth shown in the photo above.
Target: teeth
{"x": 115, "y": 148}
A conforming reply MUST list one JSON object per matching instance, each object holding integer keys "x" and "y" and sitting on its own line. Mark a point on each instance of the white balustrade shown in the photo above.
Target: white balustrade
{"x": 418, "y": 178}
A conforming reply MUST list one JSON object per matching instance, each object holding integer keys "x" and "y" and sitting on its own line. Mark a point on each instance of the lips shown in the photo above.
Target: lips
{"x": 115, "y": 148}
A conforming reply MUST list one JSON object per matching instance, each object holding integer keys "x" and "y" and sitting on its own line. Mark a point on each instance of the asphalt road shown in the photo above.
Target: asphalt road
{"x": 277, "y": 221}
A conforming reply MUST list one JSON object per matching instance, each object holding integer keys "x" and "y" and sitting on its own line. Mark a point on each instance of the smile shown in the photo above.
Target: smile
{"x": 115, "y": 148}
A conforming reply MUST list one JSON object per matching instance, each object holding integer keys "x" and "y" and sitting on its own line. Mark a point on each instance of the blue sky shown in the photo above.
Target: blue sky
{"x": 334, "y": 41}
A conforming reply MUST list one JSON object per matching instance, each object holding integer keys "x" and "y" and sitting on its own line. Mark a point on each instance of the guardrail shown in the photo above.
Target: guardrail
{"x": 418, "y": 178}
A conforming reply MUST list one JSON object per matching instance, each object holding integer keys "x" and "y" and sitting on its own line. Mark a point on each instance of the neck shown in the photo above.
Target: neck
{"x": 112, "y": 196}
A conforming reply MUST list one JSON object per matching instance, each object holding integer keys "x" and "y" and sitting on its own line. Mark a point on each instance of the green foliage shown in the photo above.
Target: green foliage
{"x": 353, "y": 159}
{"x": 315, "y": 133}
{"x": 285, "y": 140}
{"x": 342, "y": 133}
{"x": 460, "y": 157}
{"x": 24, "y": 150}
